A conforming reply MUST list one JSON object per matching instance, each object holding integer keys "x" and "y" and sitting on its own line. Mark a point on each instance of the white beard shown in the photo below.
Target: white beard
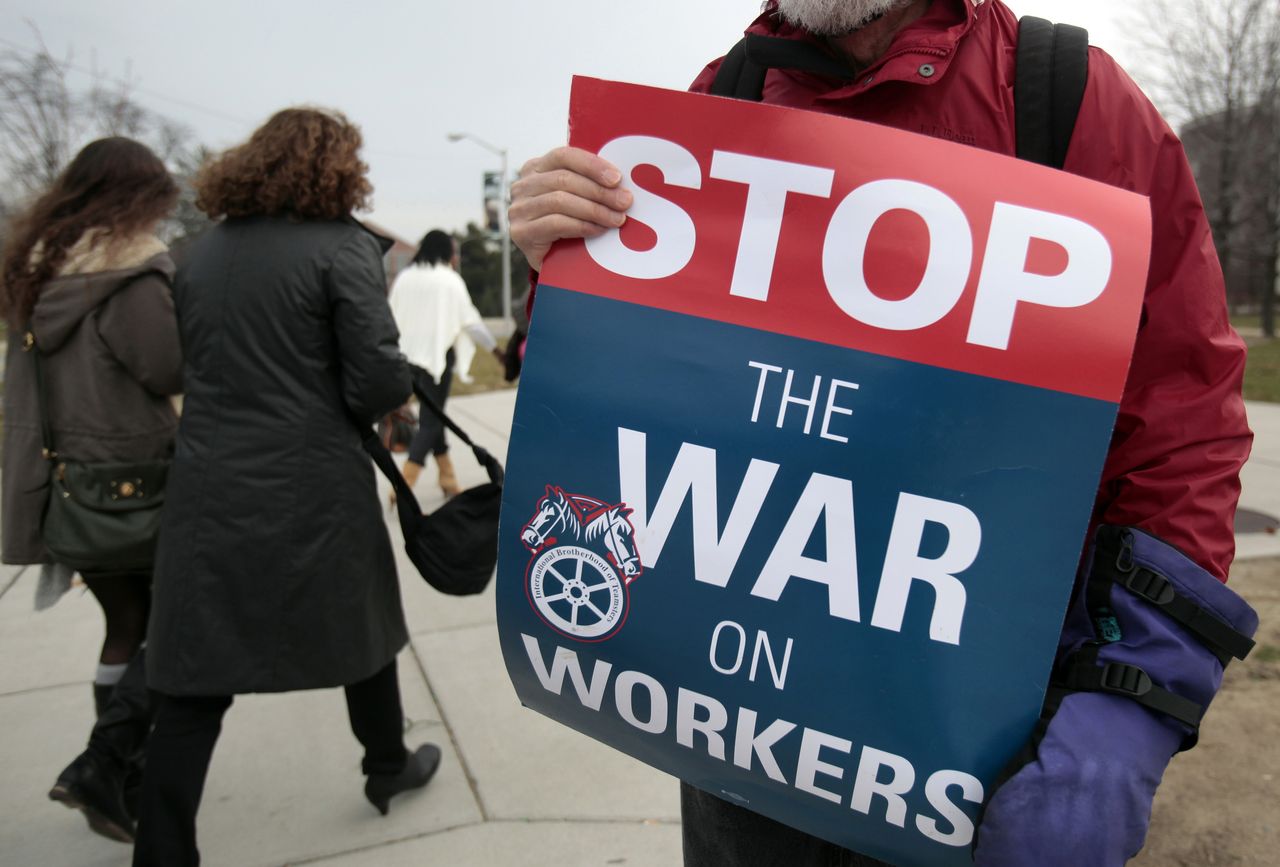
{"x": 834, "y": 17}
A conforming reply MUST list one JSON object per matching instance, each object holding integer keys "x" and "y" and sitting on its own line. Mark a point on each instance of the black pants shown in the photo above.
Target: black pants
{"x": 719, "y": 834}
{"x": 181, "y": 745}
{"x": 430, "y": 435}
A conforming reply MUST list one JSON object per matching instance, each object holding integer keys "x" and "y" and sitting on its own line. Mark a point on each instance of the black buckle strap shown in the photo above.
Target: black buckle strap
{"x": 1114, "y": 563}
{"x": 1223, "y": 641}
{"x": 1129, "y": 681}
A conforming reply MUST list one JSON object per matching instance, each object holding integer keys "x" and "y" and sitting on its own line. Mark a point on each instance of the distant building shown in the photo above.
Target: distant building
{"x": 399, "y": 256}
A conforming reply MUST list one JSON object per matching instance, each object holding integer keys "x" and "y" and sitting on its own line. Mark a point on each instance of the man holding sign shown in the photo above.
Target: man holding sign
{"x": 1151, "y": 624}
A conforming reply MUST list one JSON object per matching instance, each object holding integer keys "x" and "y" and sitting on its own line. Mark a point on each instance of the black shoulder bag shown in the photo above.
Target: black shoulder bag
{"x": 101, "y": 516}
{"x": 455, "y": 548}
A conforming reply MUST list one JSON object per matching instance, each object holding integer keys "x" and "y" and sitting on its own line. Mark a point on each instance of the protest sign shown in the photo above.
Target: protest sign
{"x": 804, "y": 456}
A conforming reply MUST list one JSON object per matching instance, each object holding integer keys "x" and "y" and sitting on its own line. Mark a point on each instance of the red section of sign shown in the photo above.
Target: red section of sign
{"x": 1082, "y": 350}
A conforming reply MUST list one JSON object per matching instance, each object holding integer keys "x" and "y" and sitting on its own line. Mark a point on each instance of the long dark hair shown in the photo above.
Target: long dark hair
{"x": 436, "y": 248}
{"x": 116, "y": 186}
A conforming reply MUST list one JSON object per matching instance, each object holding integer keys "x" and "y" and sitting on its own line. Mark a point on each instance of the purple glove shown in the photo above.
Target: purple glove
{"x": 1141, "y": 657}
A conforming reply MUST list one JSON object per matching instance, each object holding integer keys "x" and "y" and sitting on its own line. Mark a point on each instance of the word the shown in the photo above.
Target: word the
{"x": 788, "y": 398}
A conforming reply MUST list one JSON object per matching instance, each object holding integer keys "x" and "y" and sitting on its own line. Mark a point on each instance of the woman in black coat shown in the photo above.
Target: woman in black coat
{"x": 275, "y": 571}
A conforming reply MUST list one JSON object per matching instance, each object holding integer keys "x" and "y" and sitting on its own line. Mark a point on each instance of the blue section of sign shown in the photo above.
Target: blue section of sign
{"x": 874, "y": 717}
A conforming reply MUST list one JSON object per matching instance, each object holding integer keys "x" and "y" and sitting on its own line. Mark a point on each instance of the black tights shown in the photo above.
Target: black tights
{"x": 125, "y": 599}
{"x": 181, "y": 745}
{"x": 429, "y": 438}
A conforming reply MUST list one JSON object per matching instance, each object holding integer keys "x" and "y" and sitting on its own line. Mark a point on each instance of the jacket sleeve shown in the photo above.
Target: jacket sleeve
{"x": 139, "y": 326}
{"x": 375, "y": 376}
{"x": 1181, "y": 437}
{"x": 702, "y": 84}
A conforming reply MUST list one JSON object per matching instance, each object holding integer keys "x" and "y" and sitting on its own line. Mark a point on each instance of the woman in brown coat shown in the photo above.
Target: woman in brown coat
{"x": 87, "y": 279}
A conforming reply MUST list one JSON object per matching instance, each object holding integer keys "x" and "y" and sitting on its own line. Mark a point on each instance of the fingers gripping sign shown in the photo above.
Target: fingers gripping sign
{"x": 565, "y": 193}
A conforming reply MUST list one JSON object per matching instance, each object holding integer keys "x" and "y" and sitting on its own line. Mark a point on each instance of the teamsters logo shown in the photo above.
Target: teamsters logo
{"x": 584, "y": 559}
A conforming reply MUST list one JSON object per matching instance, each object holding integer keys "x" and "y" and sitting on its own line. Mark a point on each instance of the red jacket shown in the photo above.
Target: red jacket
{"x": 1181, "y": 436}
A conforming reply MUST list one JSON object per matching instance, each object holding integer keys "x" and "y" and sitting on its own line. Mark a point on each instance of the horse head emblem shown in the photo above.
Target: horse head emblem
{"x": 584, "y": 557}
{"x": 551, "y": 514}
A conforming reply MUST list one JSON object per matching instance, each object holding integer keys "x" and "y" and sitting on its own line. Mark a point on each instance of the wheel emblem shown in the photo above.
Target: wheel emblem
{"x": 582, "y": 561}
{"x": 577, "y": 592}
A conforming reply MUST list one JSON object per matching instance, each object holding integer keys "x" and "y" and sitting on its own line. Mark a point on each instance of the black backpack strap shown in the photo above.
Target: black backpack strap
{"x": 741, "y": 73}
{"x": 736, "y": 75}
{"x": 1053, "y": 69}
{"x": 1070, "y": 75}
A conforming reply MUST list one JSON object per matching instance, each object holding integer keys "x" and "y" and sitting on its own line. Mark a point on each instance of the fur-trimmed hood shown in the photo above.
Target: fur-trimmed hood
{"x": 94, "y": 253}
{"x": 92, "y": 272}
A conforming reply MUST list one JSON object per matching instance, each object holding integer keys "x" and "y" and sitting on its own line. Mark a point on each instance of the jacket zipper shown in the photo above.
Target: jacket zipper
{"x": 875, "y": 68}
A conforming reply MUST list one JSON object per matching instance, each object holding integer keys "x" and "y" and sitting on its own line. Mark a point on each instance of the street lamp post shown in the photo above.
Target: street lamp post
{"x": 502, "y": 217}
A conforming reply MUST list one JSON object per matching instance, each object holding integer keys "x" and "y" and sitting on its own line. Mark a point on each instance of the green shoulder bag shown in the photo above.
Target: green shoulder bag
{"x": 101, "y": 516}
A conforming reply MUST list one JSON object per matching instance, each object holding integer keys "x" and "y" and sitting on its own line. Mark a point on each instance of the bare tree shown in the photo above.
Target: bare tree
{"x": 1217, "y": 65}
{"x": 1268, "y": 192}
{"x": 40, "y": 119}
{"x": 185, "y": 161}
{"x": 44, "y": 120}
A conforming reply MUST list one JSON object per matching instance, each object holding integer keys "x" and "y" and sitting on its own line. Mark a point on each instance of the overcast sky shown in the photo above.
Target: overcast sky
{"x": 409, "y": 73}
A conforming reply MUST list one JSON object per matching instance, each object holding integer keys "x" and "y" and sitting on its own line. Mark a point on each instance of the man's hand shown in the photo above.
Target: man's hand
{"x": 565, "y": 193}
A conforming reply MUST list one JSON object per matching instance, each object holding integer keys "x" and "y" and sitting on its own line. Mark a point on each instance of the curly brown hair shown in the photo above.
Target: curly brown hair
{"x": 304, "y": 162}
{"x": 114, "y": 186}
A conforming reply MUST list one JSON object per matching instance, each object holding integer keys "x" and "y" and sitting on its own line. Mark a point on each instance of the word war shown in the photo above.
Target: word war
{"x": 827, "y": 500}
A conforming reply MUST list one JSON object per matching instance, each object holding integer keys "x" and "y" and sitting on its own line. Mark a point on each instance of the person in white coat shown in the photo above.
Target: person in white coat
{"x": 440, "y": 329}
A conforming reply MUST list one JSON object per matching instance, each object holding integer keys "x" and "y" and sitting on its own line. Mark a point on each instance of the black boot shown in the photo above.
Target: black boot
{"x": 96, "y": 781}
{"x": 94, "y": 784}
{"x": 102, "y": 697}
{"x": 102, "y": 693}
{"x": 123, "y": 725}
{"x": 418, "y": 770}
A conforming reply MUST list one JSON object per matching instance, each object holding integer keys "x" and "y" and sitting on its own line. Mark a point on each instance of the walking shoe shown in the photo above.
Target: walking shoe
{"x": 95, "y": 787}
{"x": 418, "y": 770}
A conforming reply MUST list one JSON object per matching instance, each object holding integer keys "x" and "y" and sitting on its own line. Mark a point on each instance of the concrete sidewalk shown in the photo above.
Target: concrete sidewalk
{"x": 514, "y": 790}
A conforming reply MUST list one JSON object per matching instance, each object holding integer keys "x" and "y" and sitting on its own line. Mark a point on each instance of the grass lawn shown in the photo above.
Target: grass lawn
{"x": 1262, "y": 372}
{"x": 486, "y": 375}
{"x": 1261, "y": 379}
